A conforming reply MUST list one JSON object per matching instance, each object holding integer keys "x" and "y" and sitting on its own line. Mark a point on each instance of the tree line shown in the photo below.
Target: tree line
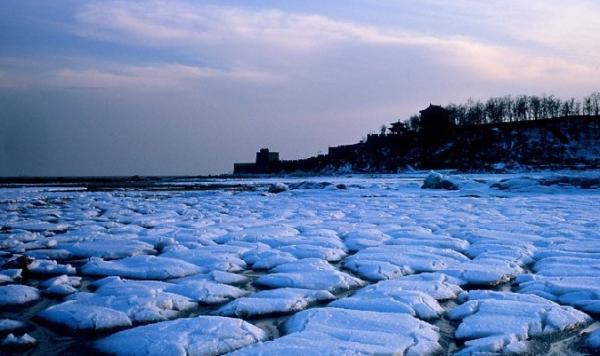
{"x": 510, "y": 108}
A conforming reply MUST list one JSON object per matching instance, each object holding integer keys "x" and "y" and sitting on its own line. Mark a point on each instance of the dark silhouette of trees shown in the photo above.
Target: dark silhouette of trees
{"x": 516, "y": 108}
{"x": 595, "y": 100}
{"x": 570, "y": 107}
{"x": 520, "y": 108}
{"x": 383, "y": 129}
{"x": 414, "y": 122}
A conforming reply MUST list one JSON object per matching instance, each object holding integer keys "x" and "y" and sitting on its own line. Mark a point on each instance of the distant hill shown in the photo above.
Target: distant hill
{"x": 507, "y": 132}
{"x": 560, "y": 142}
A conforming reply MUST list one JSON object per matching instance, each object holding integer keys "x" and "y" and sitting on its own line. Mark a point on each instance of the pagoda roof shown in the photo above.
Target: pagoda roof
{"x": 432, "y": 107}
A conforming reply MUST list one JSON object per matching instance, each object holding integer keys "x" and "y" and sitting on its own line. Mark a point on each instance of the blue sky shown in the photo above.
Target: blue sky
{"x": 189, "y": 87}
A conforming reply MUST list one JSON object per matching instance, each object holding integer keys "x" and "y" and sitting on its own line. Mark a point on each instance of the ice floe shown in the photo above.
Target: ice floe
{"x": 10, "y": 275}
{"x": 525, "y": 183}
{"x": 427, "y": 239}
{"x": 36, "y": 226}
{"x": 206, "y": 291}
{"x": 343, "y": 331}
{"x": 437, "y": 180}
{"x": 50, "y": 254}
{"x": 309, "y": 273}
{"x": 503, "y": 321}
{"x": 267, "y": 259}
{"x": 274, "y": 301}
{"x": 416, "y": 295}
{"x": 410, "y": 302}
{"x": 141, "y": 267}
{"x": 580, "y": 292}
{"x": 210, "y": 258}
{"x": 357, "y": 240}
{"x": 567, "y": 273}
{"x": 61, "y": 285}
{"x": 12, "y": 341}
{"x": 108, "y": 248}
{"x": 82, "y": 317}
{"x": 278, "y": 188}
{"x": 17, "y": 294}
{"x": 484, "y": 271}
{"x": 50, "y": 268}
{"x": 216, "y": 276}
{"x": 118, "y": 303}
{"x": 393, "y": 261}
{"x": 203, "y": 335}
{"x": 326, "y": 253}
{"x": 10, "y": 325}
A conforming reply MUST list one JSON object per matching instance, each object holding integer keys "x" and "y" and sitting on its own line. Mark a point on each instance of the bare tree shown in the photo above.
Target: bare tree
{"x": 567, "y": 107}
{"x": 458, "y": 113}
{"x": 508, "y": 108}
{"x": 521, "y": 108}
{"x": 587, "y": 105}
{"x": 475, "y": 113}
{"x": 595, "y": 103}
{"x": 534, "y": 107}
{"x": 494, "y": 110}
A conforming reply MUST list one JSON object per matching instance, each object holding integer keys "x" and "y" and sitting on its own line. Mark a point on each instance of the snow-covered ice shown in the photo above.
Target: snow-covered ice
{"x": 16, "y": 294}
{"x": 108, "y": 248}
{"x": 567, "y": 272}
{"x": 12, "y": 341}
{"x": 203, "y": 335}
{"x": 10, "y": 275}
{"x": 141, "y": 267}
{"x": 118, "y": 303}
{"x": 206, "y": 291}
{"x": 437, "y": 180}
{"x": 489, "y": 271}
{"x": 416, "y": 295}
{"x": 83, "y": 317}
{"x": 210, "y": 258}
{"x": 61, "y": 285}
{"x": 357, "y": 240}
{"x": 267, "y": 259}
{"x": 317, "y": 268}
{"x": 393, "y": 261}
{"x": 342, "y": 331}
{"x": 50, "y": 254}
{"x": 50, "y": 268}
{"x": 500, "y": 321}
{"x": 281, "y": 300}
{"x": 11, "y": 325}
{"x": 215, "y": 276}
{"x": 309, "y": 273}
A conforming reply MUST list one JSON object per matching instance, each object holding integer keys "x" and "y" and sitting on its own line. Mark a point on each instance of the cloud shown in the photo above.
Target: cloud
{"x": 158, "y": 76}
{"x": 182, "y": 87}
{"x": 159, "y": 23}
{"x": 570, "y": 30}
{"x": 272, "y": 46}
{"x": 258, "y": 38}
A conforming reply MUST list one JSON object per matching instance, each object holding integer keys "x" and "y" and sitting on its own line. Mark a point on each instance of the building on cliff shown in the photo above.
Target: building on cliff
{"x": 435, "y": 118}
{"x": 435, "y": 123}
{"x": 266, "y": 162}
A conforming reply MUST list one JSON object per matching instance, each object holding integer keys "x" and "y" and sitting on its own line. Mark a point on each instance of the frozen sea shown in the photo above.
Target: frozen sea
{"x": 358, "y": 264}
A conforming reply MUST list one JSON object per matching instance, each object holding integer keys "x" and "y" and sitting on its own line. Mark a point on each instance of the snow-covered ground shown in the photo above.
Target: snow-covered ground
{"x": 365, "y": 264}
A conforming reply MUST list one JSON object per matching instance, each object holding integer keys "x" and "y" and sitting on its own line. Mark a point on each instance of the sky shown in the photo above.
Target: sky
{"x": 183, "y": 87}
